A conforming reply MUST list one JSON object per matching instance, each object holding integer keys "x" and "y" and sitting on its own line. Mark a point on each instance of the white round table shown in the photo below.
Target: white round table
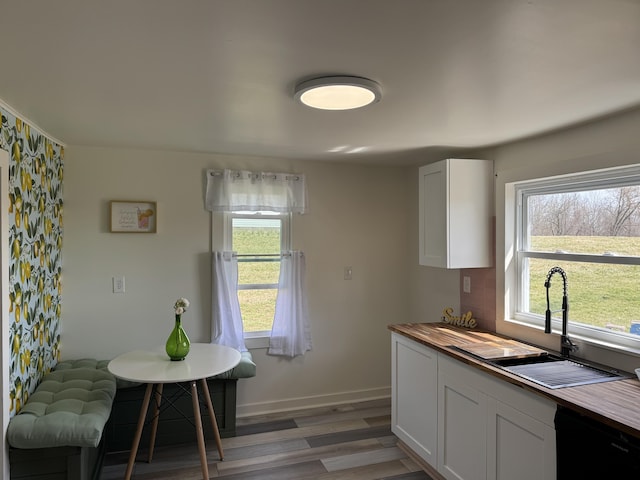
{"x": 155, "y": 369}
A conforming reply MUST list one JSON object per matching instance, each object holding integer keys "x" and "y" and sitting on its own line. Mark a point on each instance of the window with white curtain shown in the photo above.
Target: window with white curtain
{"x": 259, "y": 240}
{"x": 258, "y": 286}
{"x": 589, "y": 225}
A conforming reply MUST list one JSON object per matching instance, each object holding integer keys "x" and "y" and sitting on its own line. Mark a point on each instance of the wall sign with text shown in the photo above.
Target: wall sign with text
{"x": 133, "y": 217}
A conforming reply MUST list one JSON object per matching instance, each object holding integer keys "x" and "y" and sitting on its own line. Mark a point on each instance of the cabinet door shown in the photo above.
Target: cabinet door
{"x": 518, "y": 446}
{"x": 462, "y": 429}
{"x": 414, "y": 412}
{"x": 432, "y": 222}
{"x": 469, "y": 202}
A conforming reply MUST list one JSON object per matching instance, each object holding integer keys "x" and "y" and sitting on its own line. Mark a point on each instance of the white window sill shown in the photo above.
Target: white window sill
{"x": 623, "y": 345}
{"x": 256, "y": 340}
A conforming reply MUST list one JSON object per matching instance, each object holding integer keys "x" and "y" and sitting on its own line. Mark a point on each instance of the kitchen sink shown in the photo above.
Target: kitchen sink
{"x": 535, "y": 360}
{"x": 553, "y": 371}
{"x": 549, "y": 370}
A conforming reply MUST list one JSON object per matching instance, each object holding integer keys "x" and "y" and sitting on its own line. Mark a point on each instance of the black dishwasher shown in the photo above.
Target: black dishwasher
{"x": 588, "y": 449}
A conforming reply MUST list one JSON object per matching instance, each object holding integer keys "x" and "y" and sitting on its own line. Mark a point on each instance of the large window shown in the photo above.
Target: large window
{"x": 258, "y": 239}
{"x": 589, "y": 225}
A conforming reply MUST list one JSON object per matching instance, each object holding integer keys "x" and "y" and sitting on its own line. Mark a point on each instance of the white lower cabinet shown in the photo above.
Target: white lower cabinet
{"x": 462, "y": 428}
{"x": 414, "y": 414}
{"x": 476, "y": 426}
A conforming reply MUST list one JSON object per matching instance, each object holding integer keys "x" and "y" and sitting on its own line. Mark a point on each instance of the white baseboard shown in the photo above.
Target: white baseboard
{"x": 300, "y": 403}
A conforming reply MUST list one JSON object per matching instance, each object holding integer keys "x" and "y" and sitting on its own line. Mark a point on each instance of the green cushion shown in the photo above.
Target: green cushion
{"x": 82, "y": 363}
{"x": 245, "y": 369}
{"x": 70, "y": 407}
{"x": 93, "y": 363}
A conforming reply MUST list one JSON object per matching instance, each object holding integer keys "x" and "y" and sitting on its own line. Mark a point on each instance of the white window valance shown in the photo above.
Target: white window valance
{"x": 233, "y": 191}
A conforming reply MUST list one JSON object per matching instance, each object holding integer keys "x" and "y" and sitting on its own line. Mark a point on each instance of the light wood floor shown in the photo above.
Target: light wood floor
{"x": 352, "y": 442}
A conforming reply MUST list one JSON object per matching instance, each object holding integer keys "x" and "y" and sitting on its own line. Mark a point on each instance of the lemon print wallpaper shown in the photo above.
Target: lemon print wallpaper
{"x": 35, "y": 263}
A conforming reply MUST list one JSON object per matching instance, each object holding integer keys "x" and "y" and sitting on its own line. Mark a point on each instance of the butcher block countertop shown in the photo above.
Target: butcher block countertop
{"x": 614, "y": 403}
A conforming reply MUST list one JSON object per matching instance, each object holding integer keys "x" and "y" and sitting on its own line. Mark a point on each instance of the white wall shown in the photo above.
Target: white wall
{"x": 359, "y": 216}
{"x": 610, "y": 142}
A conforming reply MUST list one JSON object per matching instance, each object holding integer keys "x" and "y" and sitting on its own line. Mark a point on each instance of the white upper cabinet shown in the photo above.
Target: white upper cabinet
{"x": 455, "y": 224}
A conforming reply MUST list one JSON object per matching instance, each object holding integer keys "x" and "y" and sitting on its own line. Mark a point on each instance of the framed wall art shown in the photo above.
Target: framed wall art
{"x": 128, "y": 216}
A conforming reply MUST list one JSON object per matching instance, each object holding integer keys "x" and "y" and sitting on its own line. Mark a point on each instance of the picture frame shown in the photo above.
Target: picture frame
{"x": 132, "y": 216}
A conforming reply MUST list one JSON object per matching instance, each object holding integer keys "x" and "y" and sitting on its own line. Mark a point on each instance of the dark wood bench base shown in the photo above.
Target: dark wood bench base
{"x": 173, "y": 427}
{"x": 59, "y": 463}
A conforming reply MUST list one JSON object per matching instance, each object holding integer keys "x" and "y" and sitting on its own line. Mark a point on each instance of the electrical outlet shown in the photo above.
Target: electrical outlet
{"x": 118, "y": 284}
{"x": 348, "y": 273}
{"x": 466, "y": 284}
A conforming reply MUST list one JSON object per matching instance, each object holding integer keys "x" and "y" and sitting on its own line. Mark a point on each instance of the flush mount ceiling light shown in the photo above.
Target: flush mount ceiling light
{"x": 338, "y": 92}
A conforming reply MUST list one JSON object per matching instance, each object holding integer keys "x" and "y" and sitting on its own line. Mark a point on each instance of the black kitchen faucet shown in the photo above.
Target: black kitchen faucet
{"x": 566, "y": 345}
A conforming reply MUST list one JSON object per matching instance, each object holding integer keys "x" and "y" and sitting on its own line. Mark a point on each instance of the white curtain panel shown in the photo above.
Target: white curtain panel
{"x": 291, "y": 332}
{"x": 226, "y": 328}
{"x": 233, "y": 191}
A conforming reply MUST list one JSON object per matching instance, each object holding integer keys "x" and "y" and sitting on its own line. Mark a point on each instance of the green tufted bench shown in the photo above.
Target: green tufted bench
{"x": 59, "y": 431}
{"x": 79, "y": 411}
{"x": 173, "y": 426}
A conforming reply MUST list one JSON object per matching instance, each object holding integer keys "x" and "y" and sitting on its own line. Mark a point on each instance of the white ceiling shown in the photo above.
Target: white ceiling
{"x": 218, "y": 75}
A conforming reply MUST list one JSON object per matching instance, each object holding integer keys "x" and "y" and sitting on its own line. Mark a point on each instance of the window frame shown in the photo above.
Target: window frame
{"x": 258, "y": 339}
{"x": 517, "y": 289}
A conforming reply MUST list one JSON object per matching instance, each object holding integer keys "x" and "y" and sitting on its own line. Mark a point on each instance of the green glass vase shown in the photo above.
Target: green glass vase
{"x": 178, "y": 343}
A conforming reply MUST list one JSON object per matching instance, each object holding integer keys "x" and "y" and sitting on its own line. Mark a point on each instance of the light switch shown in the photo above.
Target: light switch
{"x": 466, "y": 284}
{"x": 348, "y": 273}
{"x": 118, "y": 284}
